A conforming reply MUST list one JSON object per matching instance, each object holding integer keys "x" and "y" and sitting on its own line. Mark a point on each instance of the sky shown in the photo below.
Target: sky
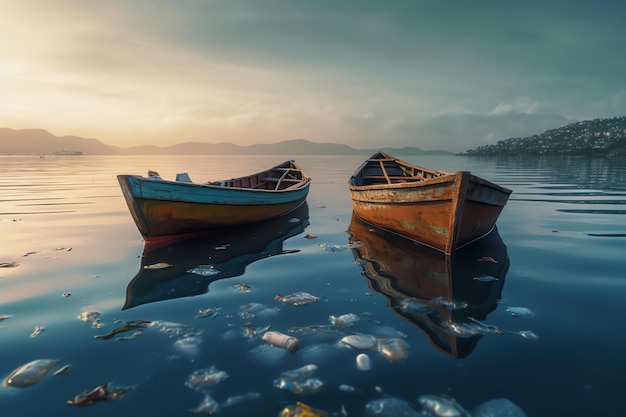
{"x": 450, "y": 75}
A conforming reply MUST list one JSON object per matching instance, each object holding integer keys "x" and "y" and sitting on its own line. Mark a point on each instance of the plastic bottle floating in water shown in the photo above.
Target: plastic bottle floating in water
{"x": 281, "y": 340}
{"x": 297, "y": 298}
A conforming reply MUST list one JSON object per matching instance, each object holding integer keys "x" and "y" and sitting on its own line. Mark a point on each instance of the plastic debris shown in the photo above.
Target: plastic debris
{"x": 100, "y": 393}
{"x": 363, "y": 362}
{"x": 333, "y": 248}
{"x": 360, "y": 341}
{"x": 416, "y": 305}
{"x": 394, "y": 349}
{"x": 208, "y": 312}
{"x": 302, "y": 410}
{"x": 298, "y": 381}
{"x": 37, "y": 331}
{"x": 132, "y": 325}
{"x": 472, "y": 328}
{"x": 9, "y": 264}
{"x": 391, "y": 407}
{"x": 487, "y": 259}
{"x": 345, "y": 320}
{"x": 30, "y": 373}
{"x": 189, "y": 345}
{"x": 203, "y": 378}
{"x": 66, "y": 294}
{"x": 62, "y": 370}
{"x": 92, "y": 317}
{"x": 297, "y": 298}
{"x": 527, "y": 334}
{"x": 447, "y": 303}
{"x": 310, "y": 236}
{"x": 158, "y": 265}
{"x": 281, "y": 340}
{"x": 442, "y": 406}
{"x": 204, "y": 270}
{"x": 241, "y": 287}
{"x": 346, "y": 388}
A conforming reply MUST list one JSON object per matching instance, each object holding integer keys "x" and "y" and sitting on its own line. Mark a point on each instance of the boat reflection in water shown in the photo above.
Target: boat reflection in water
{"x": 186, "y": 267}
{"x": 444, "y": 296}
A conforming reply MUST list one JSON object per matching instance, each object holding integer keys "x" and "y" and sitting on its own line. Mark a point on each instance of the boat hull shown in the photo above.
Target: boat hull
{"x": 445, "y": 213}
{"x": 165, "y": 208}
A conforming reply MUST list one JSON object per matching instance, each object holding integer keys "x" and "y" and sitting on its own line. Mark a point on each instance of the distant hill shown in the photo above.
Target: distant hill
{"x": 600, "y": 137}
{"x": 39, "y": 141}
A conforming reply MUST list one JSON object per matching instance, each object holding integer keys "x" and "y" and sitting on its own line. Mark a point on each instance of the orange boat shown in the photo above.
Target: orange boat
{"x": 439, "y": 209}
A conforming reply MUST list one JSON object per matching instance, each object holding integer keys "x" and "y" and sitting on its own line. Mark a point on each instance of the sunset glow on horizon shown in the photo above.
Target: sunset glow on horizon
{"x": 364, "y": 73}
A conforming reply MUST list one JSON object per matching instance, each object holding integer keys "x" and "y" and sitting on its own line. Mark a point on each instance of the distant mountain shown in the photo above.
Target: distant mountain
{"x": 38, "y": 141}
{"x": 600, "y": 137}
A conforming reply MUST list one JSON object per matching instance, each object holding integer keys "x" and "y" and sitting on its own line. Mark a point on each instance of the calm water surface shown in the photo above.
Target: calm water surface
{"x": 546, "y": 333}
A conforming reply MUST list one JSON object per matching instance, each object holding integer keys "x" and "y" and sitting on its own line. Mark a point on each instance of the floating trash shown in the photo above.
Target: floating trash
{"x": 92, "y": 317}
{"x": 394, "y": 349}
{"x": 520, "y": 312}
{"x": 448, "y": 303}
{"x": 37, "y": 331}
{"x": 281, "y": 340}
{"x": 498, "y": 407}
{"x": 333, "y": 248}
{"x": 30, "y": 373}
{"x": 102, "y": 392}
{"x": 360, "y": 341}
{"x": 66, "y": 294}
{"x": 391, "y": 407}
{"x": 132, "y": 325}
{"x": 302, "y": 410}
{"x": 241, "y": 287}
{"x": 62, "y": 370}
{"x": 4, "y": 317}
{"x": 487, "y": 259}
{"x": 208, "y": 312}
{"x": 345, "y": 320}
{"x": 297, "y": 298}
{"x": 527, "y": 334}
{"x": 251, "y": 331}
{"x": 298, "y": 381}
{"x": 485, "y": 278}
{"x": 9, "y": 264}
{"x": 472, "y": 328}
{"x": 208, "y": 405}
{"x": 190, "y": 345}
{"x": 363, "y": 362}
{"x": 416, "y": 305}
{"x": 310, "y": 236}
{"x": 294, "y": 220}
{"x": 204, "y": 270}
{"x": 442, "y": 406}
{"x": 346, "y": 388}
{"x": 203, "y": 378}
{"x": 158, "y": 265}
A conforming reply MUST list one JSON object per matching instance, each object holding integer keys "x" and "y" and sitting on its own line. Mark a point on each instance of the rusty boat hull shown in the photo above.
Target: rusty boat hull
{"x": 162, "y": 208}
{"x": 436, "y": 208}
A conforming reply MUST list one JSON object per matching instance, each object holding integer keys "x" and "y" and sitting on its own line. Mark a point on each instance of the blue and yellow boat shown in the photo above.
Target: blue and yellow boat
{"x": 162, "y": 208}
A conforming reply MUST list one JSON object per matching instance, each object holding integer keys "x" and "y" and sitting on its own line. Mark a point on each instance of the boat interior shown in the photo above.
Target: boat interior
{"x": 390, "y": 171}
